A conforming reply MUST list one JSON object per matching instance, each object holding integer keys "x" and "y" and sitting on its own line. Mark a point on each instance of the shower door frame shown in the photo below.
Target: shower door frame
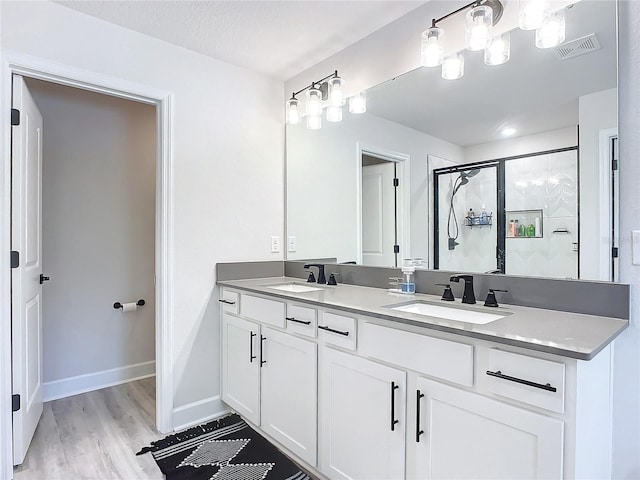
{"x": 500, "y": 218}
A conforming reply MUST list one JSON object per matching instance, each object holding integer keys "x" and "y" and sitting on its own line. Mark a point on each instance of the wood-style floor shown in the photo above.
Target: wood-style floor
{"x": 95, "y": 436}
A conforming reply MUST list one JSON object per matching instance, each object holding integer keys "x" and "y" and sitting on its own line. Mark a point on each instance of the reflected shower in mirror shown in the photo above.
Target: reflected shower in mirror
{"x": 422, "y": 122}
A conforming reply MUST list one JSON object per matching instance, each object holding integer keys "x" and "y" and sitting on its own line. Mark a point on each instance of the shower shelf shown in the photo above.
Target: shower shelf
{"x": 478, "y": 221}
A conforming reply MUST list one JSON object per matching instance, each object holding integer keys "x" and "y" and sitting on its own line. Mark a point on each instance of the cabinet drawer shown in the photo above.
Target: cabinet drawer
{"x": 301, "y": 320}
{"x": 263, "y": 310}
{"x": 530, "y": 380}
{"x": 230, "y": 301}
{"x": 451, "y": 361}
{"x": 337, "y": 330}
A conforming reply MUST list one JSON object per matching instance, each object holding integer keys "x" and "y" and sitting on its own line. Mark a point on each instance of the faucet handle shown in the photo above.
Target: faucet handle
{"x": 491, "y": 297}
{"x": 332, "y": 278}
{"x": 312, "y": 277}
{"x": 447, "y": 295}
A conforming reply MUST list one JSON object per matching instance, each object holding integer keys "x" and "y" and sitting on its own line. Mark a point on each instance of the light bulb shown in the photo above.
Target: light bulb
{"x": 358, "y": 103}
{"x": 314, "y": 122}
{"x": 499, "y": 50}
{"x": 336, "y": 95}
{"x": 432, "y": 47}
{"x": 552, "y": 31}
{"x": 532, "y": 13}
{"x": 453, "y": 67}
{"x": 334, "y": 114}
{"x": 314, "y": 102}
{"x": 293, "y": 115}
{"x": 479, "y": 21}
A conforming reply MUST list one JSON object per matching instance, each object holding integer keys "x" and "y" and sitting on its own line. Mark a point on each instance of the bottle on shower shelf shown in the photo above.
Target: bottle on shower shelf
{"x": 484, "y": 218}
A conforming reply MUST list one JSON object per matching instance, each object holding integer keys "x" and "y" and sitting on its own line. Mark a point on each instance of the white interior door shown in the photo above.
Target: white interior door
{"x": 378, "y": 215}
{"x": 26, "y": 296}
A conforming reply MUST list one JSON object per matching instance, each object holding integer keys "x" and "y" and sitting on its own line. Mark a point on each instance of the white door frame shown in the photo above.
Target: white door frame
{"x": 402, "y": 160}
{"x": 605, "y": 219}
{"x": 16, "y": 63}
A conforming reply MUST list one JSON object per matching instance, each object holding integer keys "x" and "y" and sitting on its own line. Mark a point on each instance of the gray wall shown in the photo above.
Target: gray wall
{"x": 98, "y": 230}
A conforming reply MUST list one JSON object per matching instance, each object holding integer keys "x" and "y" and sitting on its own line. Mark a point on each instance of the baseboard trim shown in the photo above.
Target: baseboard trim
{"x": 67, "y": 387}
{"x": 198, "y": 412}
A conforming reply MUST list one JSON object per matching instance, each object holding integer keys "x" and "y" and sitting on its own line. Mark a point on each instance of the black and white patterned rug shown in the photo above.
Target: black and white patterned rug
{"x": 225, "y": 449}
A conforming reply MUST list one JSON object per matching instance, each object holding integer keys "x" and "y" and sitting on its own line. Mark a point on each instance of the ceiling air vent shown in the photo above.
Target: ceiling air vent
{"x": 577, "y": 47}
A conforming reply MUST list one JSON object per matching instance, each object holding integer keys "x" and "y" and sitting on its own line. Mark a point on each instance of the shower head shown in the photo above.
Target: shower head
{"x": 469, "y": 173}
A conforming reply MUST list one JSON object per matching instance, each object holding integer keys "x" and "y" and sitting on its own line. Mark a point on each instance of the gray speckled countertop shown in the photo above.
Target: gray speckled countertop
{"x": 568, "y": 334}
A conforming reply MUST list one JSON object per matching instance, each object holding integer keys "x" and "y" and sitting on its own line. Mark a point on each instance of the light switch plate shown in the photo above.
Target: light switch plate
{"x": 275, "y": 244}
{"x": 635, "y": 246}
{"x": 291, "y": 246}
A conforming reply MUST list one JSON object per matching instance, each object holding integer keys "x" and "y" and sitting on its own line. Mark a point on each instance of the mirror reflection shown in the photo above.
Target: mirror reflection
{"x": 540, "y": 130}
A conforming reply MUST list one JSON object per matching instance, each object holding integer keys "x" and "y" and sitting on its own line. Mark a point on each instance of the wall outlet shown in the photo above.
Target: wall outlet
{"x": 291, "y": 246}
{"x": 275, "y": 244}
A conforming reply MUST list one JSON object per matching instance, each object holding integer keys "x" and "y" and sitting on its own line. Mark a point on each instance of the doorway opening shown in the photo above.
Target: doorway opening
{"x": 160, "y": 101}
{"x": 383, "y": 223}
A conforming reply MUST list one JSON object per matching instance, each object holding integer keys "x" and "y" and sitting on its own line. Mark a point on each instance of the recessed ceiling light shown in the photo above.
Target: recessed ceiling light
{"x": 507, "y": 132}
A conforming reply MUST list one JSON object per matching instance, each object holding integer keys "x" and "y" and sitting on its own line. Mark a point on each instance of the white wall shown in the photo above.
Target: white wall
{"x": 227, "y": 171}
{"x": 598, "y": 111}
{"x": 510, "y": 147}
{"x": 393, "y": 50}
{"x": 322, "y": 169}
{"x": 98, "y": 236}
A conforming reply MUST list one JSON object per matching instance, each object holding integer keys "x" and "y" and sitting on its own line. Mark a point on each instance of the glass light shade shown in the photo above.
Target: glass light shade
{"x": 532, "y": 13}
{"x": 334, "y": 114}
{"x": 358, "y": 103}
{"x": 453, "y": 67}
{"x": 552, "y": 31}
{"x": 478, "y": 25}
{"x": 432, "y": 50}
{"x": 499, "y": 50}
{"x": 336, "y": 95}
{"x": 314, "y": 102}
{"x": 314, "y": 122}
{"x": 293, "y": 115}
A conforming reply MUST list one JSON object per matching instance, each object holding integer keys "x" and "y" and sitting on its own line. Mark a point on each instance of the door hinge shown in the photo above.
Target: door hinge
{"x": 396, "y": 249}
{"x": 15, "y": 259}
{"x": 614, "y": 252}
{"x": 15, "y": 402}
{"x": 396, "y": 182}
{"x": 15, "y": 117}
{"x": 614, "y": 164}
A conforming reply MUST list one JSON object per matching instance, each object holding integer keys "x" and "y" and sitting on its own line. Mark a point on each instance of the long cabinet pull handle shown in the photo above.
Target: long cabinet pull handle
{"x": 324, "y": 327}
{"x": 419, "y": 432}
{"x": 294, "y": 319}
{"x": 499, "y": 374}
{"x": 226, "y": 301}
{"x": 251, "y": 355}
{"x": 262, "y": 339}
{"x": 394, "y": 387}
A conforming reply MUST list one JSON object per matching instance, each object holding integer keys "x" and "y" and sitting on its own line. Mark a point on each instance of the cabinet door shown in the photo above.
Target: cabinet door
{"x": 241, "y": 366}
{"x": 471, "y": 436}
{"x": 289, "y": 392}
{"x": 359, "y": 440}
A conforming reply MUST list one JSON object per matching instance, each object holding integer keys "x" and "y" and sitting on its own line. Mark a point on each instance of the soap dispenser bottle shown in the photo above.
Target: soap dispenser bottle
{"x": 408, "y": 284}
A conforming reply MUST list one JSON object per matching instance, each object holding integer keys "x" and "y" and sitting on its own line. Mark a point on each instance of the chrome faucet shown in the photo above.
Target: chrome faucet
{"x": 468, "y": 296}
{"x": 321, "y": 277}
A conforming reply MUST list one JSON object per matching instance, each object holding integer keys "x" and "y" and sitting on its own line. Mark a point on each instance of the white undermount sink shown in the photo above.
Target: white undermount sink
{"x": 448, "y": 313}
{"x": 293, "y": 287}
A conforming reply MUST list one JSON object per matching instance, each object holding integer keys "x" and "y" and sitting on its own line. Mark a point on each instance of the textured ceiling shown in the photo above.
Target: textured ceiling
{"x": 279, "y": 38}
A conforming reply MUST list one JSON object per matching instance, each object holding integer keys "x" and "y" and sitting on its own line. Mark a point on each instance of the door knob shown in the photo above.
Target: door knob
{"x": 43, "y": 279}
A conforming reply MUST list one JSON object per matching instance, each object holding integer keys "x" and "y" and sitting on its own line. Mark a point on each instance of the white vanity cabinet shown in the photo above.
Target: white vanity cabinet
{"x": 363, "y": 418}
{"x": 463, "y": 435}
{"x": 270, "y": 376}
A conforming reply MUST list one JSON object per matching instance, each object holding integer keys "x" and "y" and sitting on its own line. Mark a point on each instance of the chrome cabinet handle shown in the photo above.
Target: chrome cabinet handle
{"x": 262, "y": 339}
{"x": 499, "y": 374}
{"x": 251, "y": 355}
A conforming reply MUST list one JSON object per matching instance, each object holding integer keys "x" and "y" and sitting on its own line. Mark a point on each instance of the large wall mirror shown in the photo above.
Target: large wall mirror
{"x": 529, "y": 143}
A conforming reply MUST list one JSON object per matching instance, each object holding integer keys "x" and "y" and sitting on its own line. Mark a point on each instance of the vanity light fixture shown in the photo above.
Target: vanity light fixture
{"x": 327, "y": 92}
{"x": 481, "y": 17}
